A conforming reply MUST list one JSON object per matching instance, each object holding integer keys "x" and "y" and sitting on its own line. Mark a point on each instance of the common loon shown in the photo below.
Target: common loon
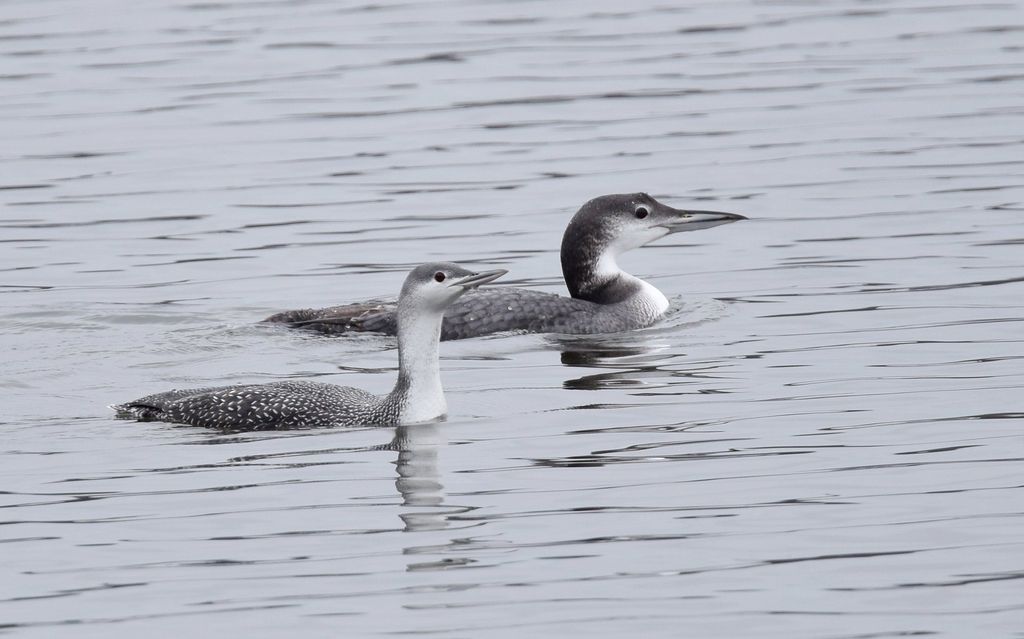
{"x": 418, "y": 396}
{"x": 604, "y": 297}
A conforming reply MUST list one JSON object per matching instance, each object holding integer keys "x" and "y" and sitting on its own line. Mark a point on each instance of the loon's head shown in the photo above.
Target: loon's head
{"x": 610, "y": 225}
{"x": 431, "y": 288}
{"x": 428, "y": 290}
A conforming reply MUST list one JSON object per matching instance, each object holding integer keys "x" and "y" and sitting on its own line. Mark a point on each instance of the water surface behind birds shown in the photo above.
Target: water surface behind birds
{"x": 822, "y": 440}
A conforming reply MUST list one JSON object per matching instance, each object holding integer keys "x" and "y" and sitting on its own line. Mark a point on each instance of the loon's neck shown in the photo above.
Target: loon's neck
{"x": 418, "y": 394}
{"x": 592, "y": 273}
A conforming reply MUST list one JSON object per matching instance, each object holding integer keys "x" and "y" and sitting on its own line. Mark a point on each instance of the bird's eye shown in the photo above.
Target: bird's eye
{"x": 439, "y": 276}
{"x": 641, "y": 212}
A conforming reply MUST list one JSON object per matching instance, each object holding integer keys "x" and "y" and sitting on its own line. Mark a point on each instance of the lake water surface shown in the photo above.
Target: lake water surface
{"x": 824, "y": 439}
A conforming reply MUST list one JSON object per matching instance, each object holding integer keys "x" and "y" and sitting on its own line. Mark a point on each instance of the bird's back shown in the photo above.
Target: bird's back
{"x": 516, "y": 309}
{"x": 263, "y": 406}
{"x": 479, "y": 312}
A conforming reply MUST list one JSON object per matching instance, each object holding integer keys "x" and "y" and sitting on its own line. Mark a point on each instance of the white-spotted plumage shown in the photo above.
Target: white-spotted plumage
{"x": 417, "y": 396}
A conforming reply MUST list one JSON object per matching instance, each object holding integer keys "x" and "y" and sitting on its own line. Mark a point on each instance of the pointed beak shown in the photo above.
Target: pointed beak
{"x": 679, "y": 221}
{"x": 478, "y": 279}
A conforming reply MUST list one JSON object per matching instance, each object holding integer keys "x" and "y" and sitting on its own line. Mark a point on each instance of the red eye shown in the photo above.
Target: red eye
{"x": 641, "y": 213}
{"x": 439, "y": 276}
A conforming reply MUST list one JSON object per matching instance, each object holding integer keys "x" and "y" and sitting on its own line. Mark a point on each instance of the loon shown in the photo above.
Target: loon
{"x": 605, "y": 298}
{"x": 417, "y": 396}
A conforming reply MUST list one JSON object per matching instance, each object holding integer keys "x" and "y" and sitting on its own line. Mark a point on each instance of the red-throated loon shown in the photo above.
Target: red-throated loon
{"x": 418, "y": 396}
{"x": 604, "y": 298}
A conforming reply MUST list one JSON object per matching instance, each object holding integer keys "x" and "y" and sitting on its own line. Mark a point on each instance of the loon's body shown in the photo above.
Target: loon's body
{"x": 417, "y": 396}
{"x": 604, "y": 298}
{"x": 494, "y": 310}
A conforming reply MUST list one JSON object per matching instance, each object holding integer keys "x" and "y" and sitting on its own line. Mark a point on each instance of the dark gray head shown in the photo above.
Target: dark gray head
{"x": 610, "y": 225}
{"x": 432, "y": 287}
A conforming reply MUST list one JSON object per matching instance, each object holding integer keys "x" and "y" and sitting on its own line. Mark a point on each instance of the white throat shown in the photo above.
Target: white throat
{"x": 650, "y": 300}
{"x": 419, "y": 392}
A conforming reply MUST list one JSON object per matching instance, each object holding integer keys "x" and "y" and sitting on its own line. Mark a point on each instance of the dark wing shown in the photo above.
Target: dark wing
{"x": 334, "y": 320}
{"x": 478, "y": 312}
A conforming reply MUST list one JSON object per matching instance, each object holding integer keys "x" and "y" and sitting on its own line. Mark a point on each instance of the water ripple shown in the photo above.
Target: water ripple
{"x": 829, "y": 412}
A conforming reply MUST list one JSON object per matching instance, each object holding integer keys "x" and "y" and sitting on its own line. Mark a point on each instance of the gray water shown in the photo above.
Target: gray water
{"x": 822, "y": 440}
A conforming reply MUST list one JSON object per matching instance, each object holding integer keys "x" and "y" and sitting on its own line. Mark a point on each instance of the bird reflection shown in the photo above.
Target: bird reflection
{"x": 630, "y": 360}
{"x": 419, "y": 478}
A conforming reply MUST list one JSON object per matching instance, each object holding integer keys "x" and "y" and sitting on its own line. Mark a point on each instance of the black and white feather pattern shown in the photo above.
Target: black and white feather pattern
{"x": 289, "y": 404}
{"x": 417, "y": 395}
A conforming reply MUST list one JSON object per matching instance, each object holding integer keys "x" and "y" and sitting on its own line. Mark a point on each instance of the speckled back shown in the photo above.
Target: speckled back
{"x": 288, "y": 404}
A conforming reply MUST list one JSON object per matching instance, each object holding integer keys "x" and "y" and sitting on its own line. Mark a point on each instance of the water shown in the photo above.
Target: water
{"x": 823, "y": 440}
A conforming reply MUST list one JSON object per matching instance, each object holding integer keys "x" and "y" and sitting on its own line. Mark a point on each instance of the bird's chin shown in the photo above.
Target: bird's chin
{"x": 454, "y": 294}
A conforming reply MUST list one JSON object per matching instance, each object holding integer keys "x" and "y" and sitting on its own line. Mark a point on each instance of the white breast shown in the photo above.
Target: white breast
{"x": 425, "y": 407}
{"x": 653, "y": 299}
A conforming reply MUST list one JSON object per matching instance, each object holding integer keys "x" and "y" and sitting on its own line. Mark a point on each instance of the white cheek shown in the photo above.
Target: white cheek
{"x": 627, "y": 240}
{"x": 653, "y": 233}
{"x": 638, "y": 236}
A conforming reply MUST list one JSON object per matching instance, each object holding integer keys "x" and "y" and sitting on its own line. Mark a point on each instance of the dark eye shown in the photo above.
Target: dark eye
{"x": 439, "y": 276}
{"x": 641, "y": 212}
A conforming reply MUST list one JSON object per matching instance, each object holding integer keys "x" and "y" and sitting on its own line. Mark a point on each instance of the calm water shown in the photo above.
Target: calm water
{"x": 823, "y": 440}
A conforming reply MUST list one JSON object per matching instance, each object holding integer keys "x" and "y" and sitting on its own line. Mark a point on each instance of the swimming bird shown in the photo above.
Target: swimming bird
{"x": 417, "y": 396}
{"x": 604, "y": 298}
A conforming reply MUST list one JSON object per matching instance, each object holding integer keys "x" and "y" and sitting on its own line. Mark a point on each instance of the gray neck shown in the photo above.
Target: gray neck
{"x": 418, "y": 395}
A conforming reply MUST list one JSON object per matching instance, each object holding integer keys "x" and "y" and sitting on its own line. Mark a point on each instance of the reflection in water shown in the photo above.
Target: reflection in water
{"x": 633, "y": 361}
{"x": 821, "y": 439}
{"x": 419, "y": 478}
{"x": 629, "y": 356}
{"x": 418, "y": 475}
